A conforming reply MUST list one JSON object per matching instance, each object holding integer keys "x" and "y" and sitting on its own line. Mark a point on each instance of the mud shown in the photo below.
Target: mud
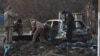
{"x": 47, "y": 49}
{"x": 26, "y": 48}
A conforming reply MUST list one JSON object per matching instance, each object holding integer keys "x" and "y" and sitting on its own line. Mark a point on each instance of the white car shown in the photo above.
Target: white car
{"x": 59, "y": 30}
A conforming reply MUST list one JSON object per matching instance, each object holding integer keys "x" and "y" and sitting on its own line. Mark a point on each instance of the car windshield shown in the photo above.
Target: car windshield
{"x": 55, "y": 25}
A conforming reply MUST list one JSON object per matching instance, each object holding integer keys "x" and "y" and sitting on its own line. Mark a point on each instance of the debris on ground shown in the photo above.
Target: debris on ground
{"x": 24, "y": 48}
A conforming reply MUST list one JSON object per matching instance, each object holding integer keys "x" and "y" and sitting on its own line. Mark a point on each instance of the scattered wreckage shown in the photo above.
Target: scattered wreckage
{"x": 27, "y": 49}
{"x": 58, "y": 31}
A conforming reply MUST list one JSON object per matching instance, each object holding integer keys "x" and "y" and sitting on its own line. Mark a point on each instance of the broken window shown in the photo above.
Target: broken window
{"x": 55, "y": 25}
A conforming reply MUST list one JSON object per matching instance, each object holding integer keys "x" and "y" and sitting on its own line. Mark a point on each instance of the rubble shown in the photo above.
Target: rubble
{"x": 25, "y": 48}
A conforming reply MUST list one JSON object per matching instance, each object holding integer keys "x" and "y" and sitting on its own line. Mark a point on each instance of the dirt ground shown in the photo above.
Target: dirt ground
{"x": 48, "y": 49}
{"x": 25, "y": 48}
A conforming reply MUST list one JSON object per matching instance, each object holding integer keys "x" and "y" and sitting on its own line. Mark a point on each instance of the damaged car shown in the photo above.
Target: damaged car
{"x": 58, "y": 30}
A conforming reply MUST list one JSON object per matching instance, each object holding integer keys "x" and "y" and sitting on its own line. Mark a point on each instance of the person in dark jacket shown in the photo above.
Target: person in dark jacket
{"x": 18, "y": 27}
{"x": 47, "y": 28}
{"x": 69, "y": 21}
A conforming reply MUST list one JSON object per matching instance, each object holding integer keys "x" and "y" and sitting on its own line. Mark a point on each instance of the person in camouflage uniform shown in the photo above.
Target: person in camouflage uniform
{"x": 9, "y": 17}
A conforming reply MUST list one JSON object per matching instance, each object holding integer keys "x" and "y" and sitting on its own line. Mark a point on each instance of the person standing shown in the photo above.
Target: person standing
{"x": 9, "y": 17}
{"x": 69, "y": 21}
{"x": 18, "y": 27}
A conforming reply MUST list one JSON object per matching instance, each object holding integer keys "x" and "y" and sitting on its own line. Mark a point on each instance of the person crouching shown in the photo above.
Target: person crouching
{"x": 38, "y": 29}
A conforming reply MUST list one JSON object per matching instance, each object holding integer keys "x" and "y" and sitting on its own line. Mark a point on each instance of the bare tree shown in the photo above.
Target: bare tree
{"x": 45, "y": 9}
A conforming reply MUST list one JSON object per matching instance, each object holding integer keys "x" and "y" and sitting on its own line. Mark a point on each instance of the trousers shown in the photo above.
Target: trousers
{"x": 39, "y": 32}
